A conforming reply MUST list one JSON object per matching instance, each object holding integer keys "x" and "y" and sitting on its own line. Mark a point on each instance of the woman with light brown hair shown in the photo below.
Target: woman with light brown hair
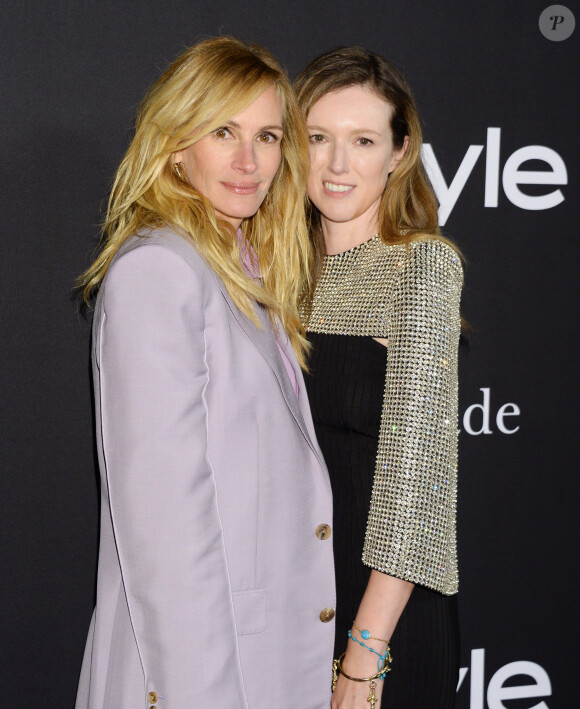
{"x": 382, "y": 317}
{"x": 215, "y": 583}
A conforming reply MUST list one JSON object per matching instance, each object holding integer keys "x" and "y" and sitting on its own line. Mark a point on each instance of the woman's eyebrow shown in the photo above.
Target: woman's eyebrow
{"x": 272, "y": 127}
{"x": 354, "y": 130}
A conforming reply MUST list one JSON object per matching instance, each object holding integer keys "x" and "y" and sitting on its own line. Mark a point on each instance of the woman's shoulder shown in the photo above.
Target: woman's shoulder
{"x": 160, "y": 260}
{"x": 428, "y": 257}
{"x": 159, "y": 248}
{"x": 424, "y": 258}
{"x": 162, "y": 237}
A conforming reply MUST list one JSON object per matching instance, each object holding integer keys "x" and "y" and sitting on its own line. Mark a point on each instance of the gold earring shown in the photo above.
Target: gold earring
{"x": 179, "y": 171}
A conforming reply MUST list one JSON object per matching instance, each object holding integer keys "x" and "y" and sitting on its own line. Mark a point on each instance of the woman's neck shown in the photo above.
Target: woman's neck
{"x": 337, "y": 240}
{"x": 342, "y": 236}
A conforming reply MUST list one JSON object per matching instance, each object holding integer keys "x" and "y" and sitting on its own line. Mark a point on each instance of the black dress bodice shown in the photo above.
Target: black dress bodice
{"x": 346, "y": 391}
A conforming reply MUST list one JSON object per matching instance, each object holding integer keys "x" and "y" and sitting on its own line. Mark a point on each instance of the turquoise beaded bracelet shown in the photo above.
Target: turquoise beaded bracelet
{"x": 385, "y": 658}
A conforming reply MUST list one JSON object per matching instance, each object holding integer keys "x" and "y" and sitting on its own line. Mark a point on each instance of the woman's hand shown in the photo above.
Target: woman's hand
{"x": 354, "y": 695}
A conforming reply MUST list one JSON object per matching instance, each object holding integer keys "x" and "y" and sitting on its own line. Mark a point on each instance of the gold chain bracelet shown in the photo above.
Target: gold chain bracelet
{"x": 365, "y": 635}
{"x": 337, "y": 667}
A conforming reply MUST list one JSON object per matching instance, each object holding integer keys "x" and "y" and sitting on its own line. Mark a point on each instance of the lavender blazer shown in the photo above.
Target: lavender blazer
{"x": 212, "y": 576}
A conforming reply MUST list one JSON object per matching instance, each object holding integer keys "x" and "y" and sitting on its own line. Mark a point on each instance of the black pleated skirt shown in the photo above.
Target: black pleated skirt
{"x": 345, "y": 388}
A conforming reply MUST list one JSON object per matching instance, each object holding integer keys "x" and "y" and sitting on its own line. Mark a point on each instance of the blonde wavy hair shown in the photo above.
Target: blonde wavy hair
{"x": 408, "y": 208}
{"x": 202, "y": 90}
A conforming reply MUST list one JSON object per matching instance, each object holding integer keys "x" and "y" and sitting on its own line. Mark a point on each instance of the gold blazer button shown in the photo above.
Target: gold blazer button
{"x": 326, "y": 615}
{"x": 323, "y": 531}
{"x": 152, "y": 697}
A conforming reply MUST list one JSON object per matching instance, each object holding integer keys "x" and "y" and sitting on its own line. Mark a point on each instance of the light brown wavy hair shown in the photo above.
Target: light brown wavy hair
{"x": 202, "y": 90}
{"x": 408, "y": 208}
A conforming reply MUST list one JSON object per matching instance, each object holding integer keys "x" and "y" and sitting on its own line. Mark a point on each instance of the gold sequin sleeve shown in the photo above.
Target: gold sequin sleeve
{"x": 411, "y": 525}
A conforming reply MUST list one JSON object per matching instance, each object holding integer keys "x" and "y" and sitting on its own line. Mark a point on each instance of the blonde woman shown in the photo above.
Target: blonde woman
{"x": 215, "y": 583}
{"x": 383, "y": 321}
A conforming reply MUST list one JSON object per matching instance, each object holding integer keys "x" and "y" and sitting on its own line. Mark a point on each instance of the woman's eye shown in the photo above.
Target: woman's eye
{"x": 267, "y": 138}
{"x": 221, "y": 133}
{"x": 316, "y": 138}
{"x": 365, "y": 141}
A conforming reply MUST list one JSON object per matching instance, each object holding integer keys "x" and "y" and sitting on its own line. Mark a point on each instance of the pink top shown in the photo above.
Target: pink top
{"x": 250, "y": 264}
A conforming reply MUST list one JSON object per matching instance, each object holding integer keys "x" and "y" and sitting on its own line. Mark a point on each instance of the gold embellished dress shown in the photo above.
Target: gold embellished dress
{"x": 386, "y": 421}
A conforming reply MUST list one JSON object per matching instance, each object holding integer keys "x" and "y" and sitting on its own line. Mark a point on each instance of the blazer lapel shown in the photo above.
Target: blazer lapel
{"x": 266, "y": 342}
{"x": 303, "y": 398}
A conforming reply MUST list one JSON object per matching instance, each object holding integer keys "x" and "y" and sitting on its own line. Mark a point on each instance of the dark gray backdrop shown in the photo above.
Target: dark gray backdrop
{"x": 72, "y": 75}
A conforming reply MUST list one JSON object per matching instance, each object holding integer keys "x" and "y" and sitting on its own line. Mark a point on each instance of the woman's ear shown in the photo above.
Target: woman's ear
{"x": 399, "y": 154}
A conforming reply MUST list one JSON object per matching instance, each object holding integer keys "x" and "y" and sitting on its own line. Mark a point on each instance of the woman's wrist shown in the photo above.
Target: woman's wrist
{"x": 360, "y": 662}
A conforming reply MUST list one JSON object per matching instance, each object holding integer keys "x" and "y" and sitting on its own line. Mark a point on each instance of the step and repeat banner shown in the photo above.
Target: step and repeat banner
{"x": 497, "y": 87}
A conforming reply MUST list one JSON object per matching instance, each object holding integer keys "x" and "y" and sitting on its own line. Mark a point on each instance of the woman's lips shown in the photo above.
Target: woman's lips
{"x": 336, "y": 189}
{"x": 241, "y": 187}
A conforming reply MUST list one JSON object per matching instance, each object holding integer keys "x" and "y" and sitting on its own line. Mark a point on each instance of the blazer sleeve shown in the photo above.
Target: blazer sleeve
{"x": 412, "y": 519}
{"x": 151, "y": 360}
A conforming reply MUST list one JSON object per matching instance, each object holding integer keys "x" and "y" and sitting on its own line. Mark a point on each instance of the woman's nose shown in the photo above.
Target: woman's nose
{"x": 338, "y": 163}
{"x": 245, "y": 158}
